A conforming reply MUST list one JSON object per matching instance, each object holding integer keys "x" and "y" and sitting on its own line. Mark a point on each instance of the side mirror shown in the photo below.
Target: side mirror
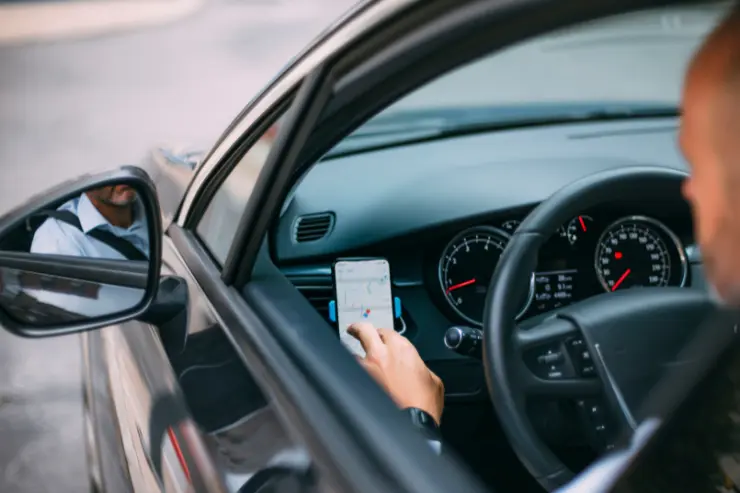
{"x": 83, "y": 255}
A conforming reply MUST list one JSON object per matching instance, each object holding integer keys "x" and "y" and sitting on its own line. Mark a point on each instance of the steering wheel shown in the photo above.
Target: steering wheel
{"x": 605, "y": 352}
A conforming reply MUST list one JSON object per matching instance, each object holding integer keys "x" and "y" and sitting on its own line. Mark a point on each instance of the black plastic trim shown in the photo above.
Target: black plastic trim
{"x": 273, "y": 183}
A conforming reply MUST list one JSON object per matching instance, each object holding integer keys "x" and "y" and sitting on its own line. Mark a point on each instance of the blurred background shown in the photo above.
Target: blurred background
{"x": 90, "y": 85}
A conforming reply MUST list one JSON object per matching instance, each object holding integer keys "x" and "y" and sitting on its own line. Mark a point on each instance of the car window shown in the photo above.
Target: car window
{"x": 218, "y": 225}
{"x": 632, "y": 63}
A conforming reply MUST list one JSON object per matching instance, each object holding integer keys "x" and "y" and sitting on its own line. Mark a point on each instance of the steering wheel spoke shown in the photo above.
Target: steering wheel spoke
{"x": 556, "y": 360}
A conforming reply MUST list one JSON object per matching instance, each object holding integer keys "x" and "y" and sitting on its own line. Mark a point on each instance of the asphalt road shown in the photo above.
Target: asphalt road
{"x": 71, "y": 107}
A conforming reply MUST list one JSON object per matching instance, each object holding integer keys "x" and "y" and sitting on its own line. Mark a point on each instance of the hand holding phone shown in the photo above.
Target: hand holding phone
{"x": 363, "y": 294}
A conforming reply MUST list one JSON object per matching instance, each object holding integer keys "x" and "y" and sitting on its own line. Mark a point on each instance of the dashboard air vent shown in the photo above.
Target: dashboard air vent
{"x": 313, "y": 227}
{"x": 317, "y": 289}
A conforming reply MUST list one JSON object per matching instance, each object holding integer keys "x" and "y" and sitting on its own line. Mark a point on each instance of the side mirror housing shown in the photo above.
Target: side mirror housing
{"x": 83, "y": 255}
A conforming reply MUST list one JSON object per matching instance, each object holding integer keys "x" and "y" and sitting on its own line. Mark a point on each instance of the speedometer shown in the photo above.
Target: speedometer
{"x": 638, "y": 251}
{"x": 466, "y": 268}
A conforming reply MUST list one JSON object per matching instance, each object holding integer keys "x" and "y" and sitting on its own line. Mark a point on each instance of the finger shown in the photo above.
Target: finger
{"x": 368, "y": 336}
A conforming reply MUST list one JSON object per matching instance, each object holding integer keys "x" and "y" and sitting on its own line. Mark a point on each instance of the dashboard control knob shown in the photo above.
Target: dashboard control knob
{"x": 467, "y": 341}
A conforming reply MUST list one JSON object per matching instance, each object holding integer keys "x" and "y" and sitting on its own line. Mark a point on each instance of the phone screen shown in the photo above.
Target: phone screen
{"x": 363, "y": 290}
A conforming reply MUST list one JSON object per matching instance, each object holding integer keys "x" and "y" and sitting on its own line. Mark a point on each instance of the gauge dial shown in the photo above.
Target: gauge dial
{"x": 466, "y": 268}
{"x": 639, "y": 252}
{"x": 578, "y": 227}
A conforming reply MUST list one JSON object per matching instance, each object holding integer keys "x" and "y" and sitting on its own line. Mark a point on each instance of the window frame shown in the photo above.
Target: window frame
{"x": 221, "y": 174}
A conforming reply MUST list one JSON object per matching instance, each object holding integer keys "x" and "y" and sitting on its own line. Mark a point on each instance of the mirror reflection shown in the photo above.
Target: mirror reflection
{"x": 106, "y": 222}
{"x": 84, "y": 257}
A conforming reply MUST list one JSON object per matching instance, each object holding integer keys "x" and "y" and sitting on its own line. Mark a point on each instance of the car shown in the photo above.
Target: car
{"x": 515, "y": 164}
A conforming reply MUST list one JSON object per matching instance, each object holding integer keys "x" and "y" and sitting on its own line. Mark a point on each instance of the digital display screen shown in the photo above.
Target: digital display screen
{"x": 553, "y": 289}
{"x": 363, "y": 290}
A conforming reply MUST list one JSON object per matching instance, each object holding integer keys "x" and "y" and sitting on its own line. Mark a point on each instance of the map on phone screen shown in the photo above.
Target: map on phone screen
{"x": 363, "y": 290}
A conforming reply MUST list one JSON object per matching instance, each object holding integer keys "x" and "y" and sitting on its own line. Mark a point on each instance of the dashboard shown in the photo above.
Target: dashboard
{"x": 443, "y": 211}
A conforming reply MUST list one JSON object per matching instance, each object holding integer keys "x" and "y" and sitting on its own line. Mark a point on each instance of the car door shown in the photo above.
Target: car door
{"x": 189, "y": 413}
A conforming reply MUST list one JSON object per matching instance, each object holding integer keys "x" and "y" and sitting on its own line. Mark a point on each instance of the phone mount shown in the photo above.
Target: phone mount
{"x": 400, "y": 325}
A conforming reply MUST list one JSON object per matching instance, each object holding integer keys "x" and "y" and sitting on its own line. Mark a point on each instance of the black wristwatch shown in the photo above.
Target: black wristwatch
{"x": 425, "y": 423}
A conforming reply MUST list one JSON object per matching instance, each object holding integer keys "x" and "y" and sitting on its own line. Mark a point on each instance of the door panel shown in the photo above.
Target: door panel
{"x": 162, "y": 441}
{"x": 249, "y": 437}
{"x": 109, "y": 469}
{"x": 164, "y": 448}
{"x": 258, "y": 446}
{"x": 132, "y": 400}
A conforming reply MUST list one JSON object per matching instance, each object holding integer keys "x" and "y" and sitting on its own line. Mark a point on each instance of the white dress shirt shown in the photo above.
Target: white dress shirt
{"x": 603, "y": 474}
{"x": 60, "y": 238}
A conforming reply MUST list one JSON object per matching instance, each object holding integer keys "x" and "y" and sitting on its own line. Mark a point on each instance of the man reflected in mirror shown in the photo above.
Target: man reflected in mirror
{"x": 106, "y": 222}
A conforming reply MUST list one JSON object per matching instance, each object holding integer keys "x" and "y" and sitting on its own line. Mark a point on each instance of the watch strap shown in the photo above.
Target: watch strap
{"x": 423, "y": 421}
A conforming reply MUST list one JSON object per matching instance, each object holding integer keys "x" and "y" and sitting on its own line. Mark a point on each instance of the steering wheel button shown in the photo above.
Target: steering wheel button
{"x": 588, "y": 371}
{"x": 550, "y": 358}
{"x": 586, "y": 356}
{"x": 577, "y": 343}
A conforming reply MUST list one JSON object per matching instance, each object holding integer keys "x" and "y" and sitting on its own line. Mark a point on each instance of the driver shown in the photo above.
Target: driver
{"x": 708, "y": 138}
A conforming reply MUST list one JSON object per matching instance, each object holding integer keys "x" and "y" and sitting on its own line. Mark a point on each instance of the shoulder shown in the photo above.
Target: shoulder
{"x": 55, "y": 237}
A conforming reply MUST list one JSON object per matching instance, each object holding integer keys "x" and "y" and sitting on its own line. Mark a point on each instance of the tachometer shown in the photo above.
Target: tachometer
{"x": 638, "y": 251}
{"x": 466, "y": 268}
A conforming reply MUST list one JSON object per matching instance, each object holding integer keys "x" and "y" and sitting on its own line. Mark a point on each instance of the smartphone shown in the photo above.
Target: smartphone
{"x": 362, "y": 289}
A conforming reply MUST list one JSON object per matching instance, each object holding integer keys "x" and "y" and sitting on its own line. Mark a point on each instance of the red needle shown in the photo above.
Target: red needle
{"x": 461, "y": 285}
{"x": 619, "y": 281}
{"x": 583, "y": 223}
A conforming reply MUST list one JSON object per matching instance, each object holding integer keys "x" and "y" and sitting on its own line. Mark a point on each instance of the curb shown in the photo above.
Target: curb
{"x": 24, "y": 22}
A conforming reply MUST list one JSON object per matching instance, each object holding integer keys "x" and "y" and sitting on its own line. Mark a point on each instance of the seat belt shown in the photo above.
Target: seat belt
{"x": 121, "y": 245}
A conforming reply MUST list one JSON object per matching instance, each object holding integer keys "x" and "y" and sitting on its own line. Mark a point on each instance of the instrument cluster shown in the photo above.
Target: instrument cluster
{"x": 588, "y": 255}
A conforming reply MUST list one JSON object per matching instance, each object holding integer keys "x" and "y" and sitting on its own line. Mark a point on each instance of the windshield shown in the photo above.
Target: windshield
{"x": 625, "y": 65}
